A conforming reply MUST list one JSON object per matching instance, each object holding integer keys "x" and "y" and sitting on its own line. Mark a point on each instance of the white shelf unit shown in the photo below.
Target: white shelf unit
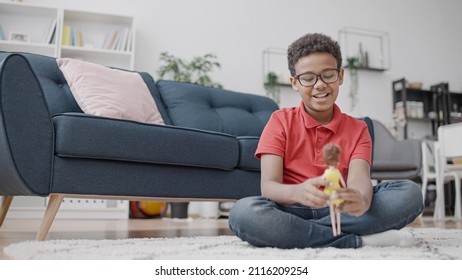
{"x": 370, "y": 47}
{"x": 31, "y": 21}
{"x": 96, "y": 28}
{"x": 274, "y": 60}
{"x": 34, "y": 22}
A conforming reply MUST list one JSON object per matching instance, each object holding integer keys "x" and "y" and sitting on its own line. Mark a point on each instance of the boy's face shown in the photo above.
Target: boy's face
{"x": 319, "y": 98}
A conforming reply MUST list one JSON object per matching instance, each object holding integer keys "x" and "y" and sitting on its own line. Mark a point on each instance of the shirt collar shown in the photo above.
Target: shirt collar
{"x": 310, "y": 122}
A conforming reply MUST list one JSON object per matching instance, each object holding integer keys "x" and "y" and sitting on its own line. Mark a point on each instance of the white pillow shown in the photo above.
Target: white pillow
{"x": 107, "y": 92}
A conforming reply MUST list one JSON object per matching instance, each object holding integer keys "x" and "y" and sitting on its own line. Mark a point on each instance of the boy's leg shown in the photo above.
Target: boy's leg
{"x": 263, "y": 223}
{"x": 394, "y": 205}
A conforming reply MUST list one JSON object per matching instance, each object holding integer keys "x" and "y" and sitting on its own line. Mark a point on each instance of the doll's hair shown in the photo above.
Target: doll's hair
{"x": 331, "y": 154}
{"x": 312, "y": 43}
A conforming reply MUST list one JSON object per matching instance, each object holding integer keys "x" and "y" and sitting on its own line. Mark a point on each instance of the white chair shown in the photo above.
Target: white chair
{"x": 428, "y": 166}
{"x": 448, "y": 148}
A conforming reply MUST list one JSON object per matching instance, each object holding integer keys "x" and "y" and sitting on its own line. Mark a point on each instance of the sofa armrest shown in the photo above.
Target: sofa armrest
{"x": 26, "y": 132}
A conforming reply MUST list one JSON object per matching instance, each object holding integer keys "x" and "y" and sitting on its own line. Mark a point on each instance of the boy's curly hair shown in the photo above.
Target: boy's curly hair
{"x": 312, "y": 43}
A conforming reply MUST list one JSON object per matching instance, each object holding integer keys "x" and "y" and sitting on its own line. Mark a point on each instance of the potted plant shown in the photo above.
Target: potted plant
{"x": 195, "y": 71}
{"x": 353, "y": 66}
{"x": 272, "y": 87}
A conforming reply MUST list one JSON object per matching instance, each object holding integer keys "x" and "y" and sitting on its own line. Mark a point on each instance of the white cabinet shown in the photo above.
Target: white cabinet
{"x": 105, "y": 39}
{"x": 24, "y": 28}
{"x": 101, "y": 38}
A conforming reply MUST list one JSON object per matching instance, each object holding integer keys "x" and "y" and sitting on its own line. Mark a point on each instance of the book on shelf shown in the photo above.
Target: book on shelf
{"x": 79, "y": 38}
{"x": 51, "y": 33}
{"x": 66, "y": 40}
{"x": 129, "y": 42}
{"x": 76, "y": 37}
{"x": 106, "y": 40}
{"x": 118, "y": 40}
{"x": 109, "y": 40}
{"x": 72, "y": 36}
{"x": 124, "y": 39}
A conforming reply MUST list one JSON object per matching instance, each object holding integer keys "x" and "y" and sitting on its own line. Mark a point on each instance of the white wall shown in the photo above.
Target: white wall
{"x": 425, "y": 38}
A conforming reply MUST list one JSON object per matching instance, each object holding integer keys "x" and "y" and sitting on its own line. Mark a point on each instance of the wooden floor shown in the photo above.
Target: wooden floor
{"x": 17, "y": 230}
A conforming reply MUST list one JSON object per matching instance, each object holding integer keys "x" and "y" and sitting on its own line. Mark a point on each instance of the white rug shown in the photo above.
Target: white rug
{"x": 432, "y": 243}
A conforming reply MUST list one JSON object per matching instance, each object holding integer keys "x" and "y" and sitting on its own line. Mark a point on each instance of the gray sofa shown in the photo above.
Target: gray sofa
{"x": 50, "y": 148}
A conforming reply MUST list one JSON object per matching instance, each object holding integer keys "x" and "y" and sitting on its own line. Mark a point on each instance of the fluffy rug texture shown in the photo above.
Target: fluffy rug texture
{"x": 432, "y": 243}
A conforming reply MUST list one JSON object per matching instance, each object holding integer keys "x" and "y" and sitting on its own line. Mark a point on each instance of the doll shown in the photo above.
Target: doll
{"x": 331, "y": 153}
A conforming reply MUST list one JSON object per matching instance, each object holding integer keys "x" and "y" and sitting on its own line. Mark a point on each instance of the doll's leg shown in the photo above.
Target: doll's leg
{"x": 332, "y": 219}
{"x": 337, "y": 213}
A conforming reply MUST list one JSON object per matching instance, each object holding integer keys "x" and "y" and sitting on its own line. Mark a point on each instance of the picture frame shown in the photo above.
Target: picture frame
{"x": 19, "y": 37}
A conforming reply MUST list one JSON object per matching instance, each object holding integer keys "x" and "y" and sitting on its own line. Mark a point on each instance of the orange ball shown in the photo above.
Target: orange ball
{"x": 147, "y": 209}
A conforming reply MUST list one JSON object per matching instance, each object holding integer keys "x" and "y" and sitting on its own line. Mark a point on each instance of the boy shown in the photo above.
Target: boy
{"x": 293, "y": 211}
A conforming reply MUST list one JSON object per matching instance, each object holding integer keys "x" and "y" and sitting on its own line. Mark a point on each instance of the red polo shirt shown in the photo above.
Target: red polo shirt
{"x": 294, "y": 135}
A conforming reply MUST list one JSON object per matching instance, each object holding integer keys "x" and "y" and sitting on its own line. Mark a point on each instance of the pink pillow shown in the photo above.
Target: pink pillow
{"x": 107, "y": 92}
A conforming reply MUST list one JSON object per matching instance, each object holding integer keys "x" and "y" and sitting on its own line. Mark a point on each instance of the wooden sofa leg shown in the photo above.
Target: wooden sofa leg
{"x": 50, "y": 214}
{"x": 5, "y": 206}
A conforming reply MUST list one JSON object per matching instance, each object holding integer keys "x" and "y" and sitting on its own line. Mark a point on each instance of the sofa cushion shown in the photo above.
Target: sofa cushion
{"x": 107, "y": 92}
{"x": 191, "y": 105}
{"x": 86, "y": 136}
{"x": 247, "y": 148}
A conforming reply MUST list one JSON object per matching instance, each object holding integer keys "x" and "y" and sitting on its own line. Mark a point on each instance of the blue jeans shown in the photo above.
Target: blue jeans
{"x": 264, "y": 223}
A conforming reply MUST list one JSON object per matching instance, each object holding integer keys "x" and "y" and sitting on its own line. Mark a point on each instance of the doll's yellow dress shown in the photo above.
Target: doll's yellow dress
{"x": 333, "y": 176}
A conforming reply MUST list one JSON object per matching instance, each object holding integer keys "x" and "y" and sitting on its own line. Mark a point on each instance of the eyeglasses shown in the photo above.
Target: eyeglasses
{"x": 309, "y": 79}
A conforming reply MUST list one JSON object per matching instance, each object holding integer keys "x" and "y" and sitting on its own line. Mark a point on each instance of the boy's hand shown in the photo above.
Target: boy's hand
{"x": 309, "y": 194}
{"x": 354, "y": 202}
